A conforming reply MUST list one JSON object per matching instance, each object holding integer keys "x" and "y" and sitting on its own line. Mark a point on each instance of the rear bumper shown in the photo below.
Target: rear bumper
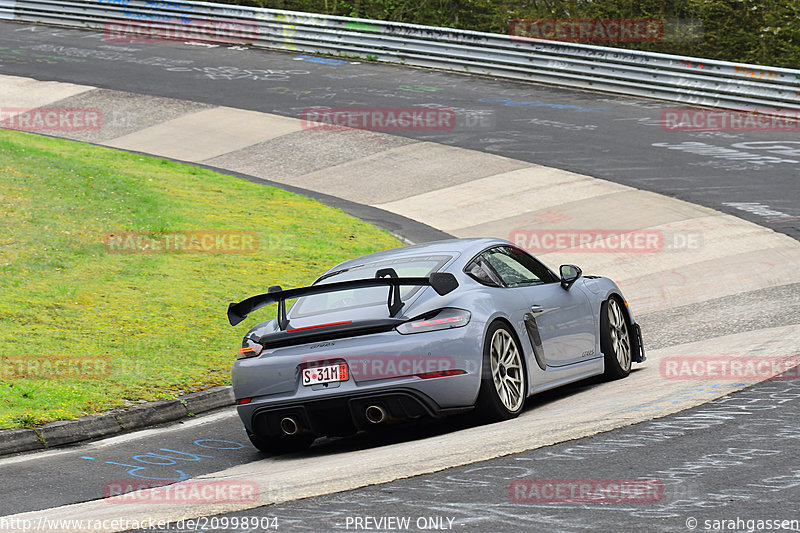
{"x": 341, "y": 415}
{"x": 378, "y": 363}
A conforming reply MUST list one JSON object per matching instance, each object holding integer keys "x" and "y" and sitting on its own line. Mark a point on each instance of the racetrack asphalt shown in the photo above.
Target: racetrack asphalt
{"x": 620, "y": 139}
{"x": 674, "y": 292}
{"x": 723, "y": 466}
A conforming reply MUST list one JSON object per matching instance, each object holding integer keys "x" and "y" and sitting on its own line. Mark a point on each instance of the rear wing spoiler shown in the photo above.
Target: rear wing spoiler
{"x": 442, "y": 282}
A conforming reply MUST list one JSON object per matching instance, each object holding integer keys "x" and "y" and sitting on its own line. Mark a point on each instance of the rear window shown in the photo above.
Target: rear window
{"x": 406, "y": 267}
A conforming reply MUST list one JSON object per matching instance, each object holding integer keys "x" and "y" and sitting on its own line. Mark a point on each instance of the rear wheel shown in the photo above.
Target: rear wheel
{"x": 503, "y": 384}
{"x": 279, "y": 445}
{"x": 615, "y": 339}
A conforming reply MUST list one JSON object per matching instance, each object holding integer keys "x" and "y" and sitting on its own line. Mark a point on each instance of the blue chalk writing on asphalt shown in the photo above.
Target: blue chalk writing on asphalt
{"x": 518, "y": 103}
{"x": 236, "y": 445}
{"x": 323, "y": 60}
{"x": 170, "y": 457}
{"x": 182, "y": 475}
{"x": 193, "y": 457}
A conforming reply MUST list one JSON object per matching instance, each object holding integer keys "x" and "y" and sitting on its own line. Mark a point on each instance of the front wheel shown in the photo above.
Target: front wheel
{"x": 615, "y": 339}
{"x": 503, "y": 384}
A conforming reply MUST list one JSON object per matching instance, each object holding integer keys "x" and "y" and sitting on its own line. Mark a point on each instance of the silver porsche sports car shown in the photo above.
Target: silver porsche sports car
{"x": 424, "y": 331}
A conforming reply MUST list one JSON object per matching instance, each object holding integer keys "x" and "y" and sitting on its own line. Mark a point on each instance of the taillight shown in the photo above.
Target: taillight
{"x": 443, "y": 319}
{"x": 441, "y": 374}
{"x": 249, "y": 351}
{"x": 242, "y": 401}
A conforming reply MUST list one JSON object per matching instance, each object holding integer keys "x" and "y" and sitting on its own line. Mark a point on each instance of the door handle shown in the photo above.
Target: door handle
{"x": 536, "y": 309}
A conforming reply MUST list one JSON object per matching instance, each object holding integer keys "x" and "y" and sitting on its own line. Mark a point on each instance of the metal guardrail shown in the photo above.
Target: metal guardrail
{"x": 685, "y": 80}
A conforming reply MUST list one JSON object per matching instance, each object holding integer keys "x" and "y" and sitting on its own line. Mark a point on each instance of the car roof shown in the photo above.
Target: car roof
{"x": 467, "y": 248}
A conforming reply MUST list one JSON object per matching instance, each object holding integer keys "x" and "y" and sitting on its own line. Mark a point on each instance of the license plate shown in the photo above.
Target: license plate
{"x": 325, "y": 374}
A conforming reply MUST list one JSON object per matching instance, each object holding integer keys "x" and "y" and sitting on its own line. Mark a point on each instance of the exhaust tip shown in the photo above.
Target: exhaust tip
{"x": 375, "y": 414}
{"x": 289, "y": 426}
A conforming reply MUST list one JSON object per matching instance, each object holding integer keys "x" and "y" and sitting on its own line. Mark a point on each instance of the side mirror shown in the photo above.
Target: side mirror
{"x": 569, "y": 275}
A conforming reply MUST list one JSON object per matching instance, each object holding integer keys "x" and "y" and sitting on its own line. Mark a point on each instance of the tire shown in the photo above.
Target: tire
{"x": 503, "y": 380}
{"x": 280, "y": 445}
{"x": 615, "y": 339}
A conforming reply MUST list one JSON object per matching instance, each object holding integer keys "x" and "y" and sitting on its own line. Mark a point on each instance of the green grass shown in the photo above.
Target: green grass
{"x": 157, "y": 319}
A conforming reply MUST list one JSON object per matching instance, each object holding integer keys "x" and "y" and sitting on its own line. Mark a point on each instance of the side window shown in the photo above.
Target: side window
{"x": 479, "y": 269}
{"x": 516, "y": 268}
{"x": 533, "y": 265}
